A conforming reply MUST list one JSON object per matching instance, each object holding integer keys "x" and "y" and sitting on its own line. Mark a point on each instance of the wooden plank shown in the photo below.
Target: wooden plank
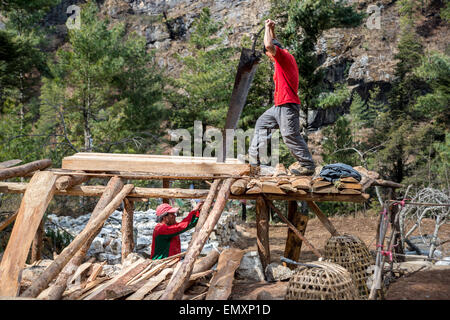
{"x": 254, "y": 190}
{"x": 63, "y": 258}
{"x": 355, "y": 186}
{"x": 97, "y": 268}
{"x": 288, "y": 188}
{"x": 24, "y": 169}
{"x": 150, "y": 285}
{"x": 139, "y": 193}
{"x": 180, "y": 278}
{"x": 239, "y": 187}
{"x": 153, "y": 164}
{"x": 262, "y": 231}
{"x": 9, "y": 163}
{"x": 349, "y": 191}
{"x": 65, "y": 182}
{"x": 293, "y": 246}
{"x": 349, "y": 179}
{"x": 327, "y": 223}
{"x": 212, "y": 193}
{"x": 222, "y": 281}
{"x": 32, "y": 208}
{"x": 8, "y": 221}
{"x": 326, "y": 190}
{"x": 271, "y": 187}
{"x": 320, "y": 184}
{"x": 165, "y": 184}
{"x": 127, "y": 228}
{"x": 301, "y": 183}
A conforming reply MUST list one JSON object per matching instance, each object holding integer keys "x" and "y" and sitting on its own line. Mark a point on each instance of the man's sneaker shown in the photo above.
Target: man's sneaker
{"x": 297, "y": 170}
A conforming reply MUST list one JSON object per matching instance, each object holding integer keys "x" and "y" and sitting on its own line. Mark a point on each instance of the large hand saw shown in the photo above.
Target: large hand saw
{"x": 246, "y": 69}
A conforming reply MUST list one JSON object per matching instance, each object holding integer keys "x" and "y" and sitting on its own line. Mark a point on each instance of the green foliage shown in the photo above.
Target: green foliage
{"x": 335, "y": 98}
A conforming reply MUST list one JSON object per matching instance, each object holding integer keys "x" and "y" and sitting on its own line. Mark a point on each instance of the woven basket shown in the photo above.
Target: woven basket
{"x": 327, "y": 281}
{"x": 351, "y": 253}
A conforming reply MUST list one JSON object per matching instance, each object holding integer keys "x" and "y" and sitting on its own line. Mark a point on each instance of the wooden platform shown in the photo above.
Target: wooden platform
{"x": 160, "y": 164}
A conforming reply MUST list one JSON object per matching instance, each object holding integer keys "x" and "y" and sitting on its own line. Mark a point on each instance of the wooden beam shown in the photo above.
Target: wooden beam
{"x": 9, "y": 163}
{"x": 222, "y": 282}
{"x": 57, "y": 289}
{"x": 327, "y": 223}
{"x": 34, "y": 203}
{"x": 24, "y": 169}
{"x": 180, "y": 278}
{"x": 63, "y": 258}
{"x": 152, "y": 163}
{"x": 293, "y": 228}
{"x": 262, "y": 231}
{"x": 140, "y": 193}
{"x": 293, "y": 246}
{"x": 208, "y": 203}
{"x": 65, "y": 182}
{"x": 165, "y": 185}
{"x": 127, "y": 228}
{"x": 37, "y": 244}
{"x": 8, "y": 221}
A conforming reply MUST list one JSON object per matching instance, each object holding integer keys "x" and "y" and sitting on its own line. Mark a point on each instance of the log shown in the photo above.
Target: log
{"x": 37, "y": 244}
{"x": 349, "y": 179}
{"x": 293, "y": 246}
{"x": 140, "y": 193}
{"x": 320, "y": 184}
{"x": 262, "y": 231}
{"x": 347, "y": 185}
{"x": 207, "y": 205}
{"x": 63, "y": 258}
{"x": 34, "y": 203}
{"x": 206, "y": 262}
{"x": 179, "y": 280}
{"x": 288, "y": 188}
{"x": 327, "y": 223}
{"x": 57, "y": 289}
{"x": 254, "y": 190}
{"x": 8, "y": 221}
{"x": 222, "y": 281}
{"x": 293, "y": 228}
{"x": 165, "y": 184}
{"x": 327, "y": 190}
{"x": 24, "y": 169}
{"x": 65, "y": 182}
{"x": 239, "y": 187}
{"x": 127, "y": 228}
{"x": 349, "y": 191}
{"x": 150, "y": 285}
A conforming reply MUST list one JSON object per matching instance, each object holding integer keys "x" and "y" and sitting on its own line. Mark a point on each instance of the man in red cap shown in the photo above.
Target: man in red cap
{"x": 166, "y": 239}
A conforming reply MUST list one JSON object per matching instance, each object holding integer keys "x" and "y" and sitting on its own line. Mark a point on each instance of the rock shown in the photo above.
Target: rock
{"x": 97, "y": 245}
{"x": 131, "y": 258}
{"x": 250, "y": 267}
{"x": 109, "y": 258}
{"x": 277, "y": 272}
{"x": 264, "y": 295}
{"x": 31, "y": 273}
{"x": 444, "y": 262}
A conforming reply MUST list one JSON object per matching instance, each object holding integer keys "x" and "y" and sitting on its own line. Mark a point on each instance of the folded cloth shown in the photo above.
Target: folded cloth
{"x": 335, "y": 171}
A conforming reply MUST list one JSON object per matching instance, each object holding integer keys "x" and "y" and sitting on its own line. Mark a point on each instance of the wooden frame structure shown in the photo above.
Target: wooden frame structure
{"x": 230, "y": 180}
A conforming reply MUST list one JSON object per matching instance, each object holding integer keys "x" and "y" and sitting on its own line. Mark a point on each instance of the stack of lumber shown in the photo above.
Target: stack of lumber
{"x": 146, "y": 279}
{"x": 296, "y": 185}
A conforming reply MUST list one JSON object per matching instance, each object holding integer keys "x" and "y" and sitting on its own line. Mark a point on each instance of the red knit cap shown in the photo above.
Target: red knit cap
{"x": 164, "y": 208}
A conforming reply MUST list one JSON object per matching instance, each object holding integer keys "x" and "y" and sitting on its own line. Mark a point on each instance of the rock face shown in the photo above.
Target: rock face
{"x": 107, "y": 245}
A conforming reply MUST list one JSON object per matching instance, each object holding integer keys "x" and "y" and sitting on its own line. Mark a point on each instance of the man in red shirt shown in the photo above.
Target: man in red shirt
{"x": 285, "y": 112}
{"x": 166, "y": 239}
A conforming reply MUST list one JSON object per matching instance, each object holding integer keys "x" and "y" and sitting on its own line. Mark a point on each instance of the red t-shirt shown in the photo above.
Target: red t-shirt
{"x": 285, "y": 78}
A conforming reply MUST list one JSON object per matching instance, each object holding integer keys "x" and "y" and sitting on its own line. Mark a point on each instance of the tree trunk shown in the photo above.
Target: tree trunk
{"x": 207, "y": 205}
{"x": 24, "y": 169}
{"x": 63, "y": 258}
{"x": 293, "y": 243}
{"x": 179, "y": 280}
{"x": 127, "y": 228}
{"x": 262, "y": 231}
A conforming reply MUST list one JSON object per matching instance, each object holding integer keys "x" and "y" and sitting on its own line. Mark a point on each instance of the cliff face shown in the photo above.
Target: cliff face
{"x": 362, "y": 56}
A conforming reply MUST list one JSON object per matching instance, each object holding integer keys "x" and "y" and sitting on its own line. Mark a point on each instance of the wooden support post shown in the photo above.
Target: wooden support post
{"x": 66, "y": 182}
{"x": 8, "y": 221}
{"x": 327, "y": 223}
{"x": 180, "y": 278}
{"x": 293, "y": 228}
{"x": 63, "y": 258}
{"x": 24, "y": 169}
{"x": 293, "y": 243}
{"x": 37, "y": 245}
{"x": 395, "y": 224}
{"x": 113, "y": 187}
{"x": 127, "y": 228}
{"x": 34, "y": 203}
{"x": 262, "y": 231}
{"x": 207, "y": 205}
{"x": 166, "y": 185}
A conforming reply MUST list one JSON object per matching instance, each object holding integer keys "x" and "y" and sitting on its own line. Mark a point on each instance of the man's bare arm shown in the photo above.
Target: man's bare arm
{"x": 269, "y": 35}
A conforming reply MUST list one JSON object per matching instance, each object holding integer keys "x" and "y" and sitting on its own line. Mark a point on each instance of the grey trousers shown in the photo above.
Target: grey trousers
{"x": 285, "y": 118}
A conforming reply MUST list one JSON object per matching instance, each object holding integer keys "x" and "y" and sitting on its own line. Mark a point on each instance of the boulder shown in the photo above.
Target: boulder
{"x": 250, "y": 267}
{"x": 277, "y": 272}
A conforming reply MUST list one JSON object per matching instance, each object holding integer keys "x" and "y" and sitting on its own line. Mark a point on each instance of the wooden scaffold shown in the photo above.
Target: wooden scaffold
{"x": 229, "y": 180}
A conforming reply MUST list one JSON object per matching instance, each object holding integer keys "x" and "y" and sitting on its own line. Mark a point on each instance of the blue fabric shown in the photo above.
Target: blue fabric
{"x": 335, "y": 171}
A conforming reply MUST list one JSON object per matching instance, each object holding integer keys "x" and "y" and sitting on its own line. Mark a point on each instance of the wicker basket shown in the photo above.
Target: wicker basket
{"x": 351, "y": 253}
{"x": 326, "y": 281}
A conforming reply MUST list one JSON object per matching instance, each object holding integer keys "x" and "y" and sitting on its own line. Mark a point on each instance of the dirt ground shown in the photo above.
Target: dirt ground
{"x": 421, "y": 285}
